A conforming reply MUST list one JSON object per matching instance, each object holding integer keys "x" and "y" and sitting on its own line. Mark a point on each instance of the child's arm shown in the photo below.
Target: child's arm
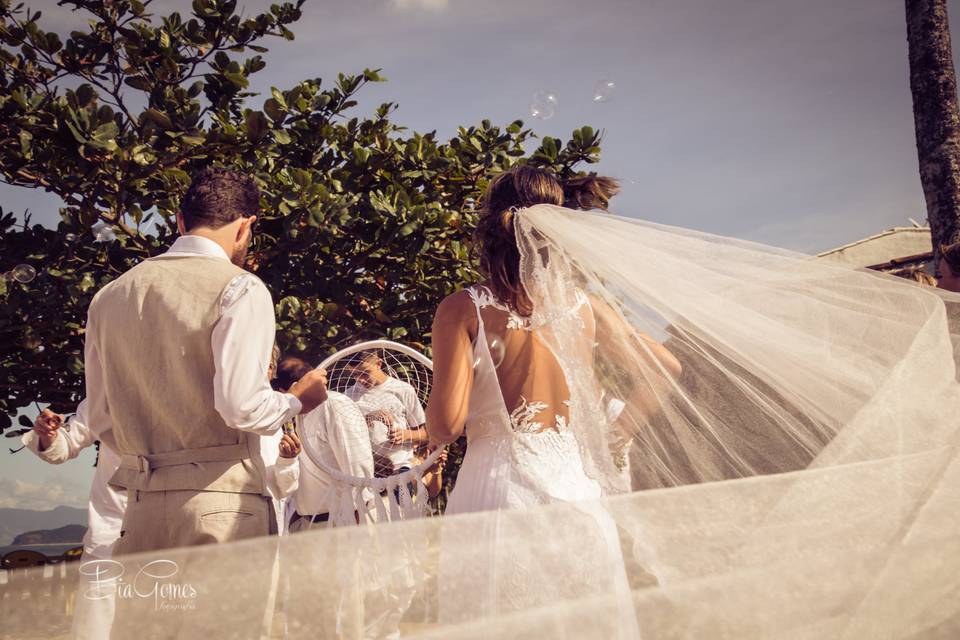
{"x": 433, "y": 477}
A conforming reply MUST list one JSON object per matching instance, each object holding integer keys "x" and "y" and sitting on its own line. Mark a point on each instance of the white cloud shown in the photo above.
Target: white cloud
{"x": 21, "y": 494}
{"x": 432, "y": 5}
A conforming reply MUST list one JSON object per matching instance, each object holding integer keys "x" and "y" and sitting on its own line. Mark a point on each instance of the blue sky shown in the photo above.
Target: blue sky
{"x": 780, "y": 121}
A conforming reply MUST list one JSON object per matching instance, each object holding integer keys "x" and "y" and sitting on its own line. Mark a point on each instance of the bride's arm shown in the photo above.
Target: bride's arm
{"x": 611, "y": 329}
{"x": 452, "y": 368}
{"x": 641, "y": 372}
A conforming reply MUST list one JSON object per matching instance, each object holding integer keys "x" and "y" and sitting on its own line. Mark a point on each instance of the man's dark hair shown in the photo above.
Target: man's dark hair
{"x": 290, "y": 369}
{"x": 217, "y": 197}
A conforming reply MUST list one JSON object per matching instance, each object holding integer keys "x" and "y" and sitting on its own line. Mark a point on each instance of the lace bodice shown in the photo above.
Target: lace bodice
{"x": 526, "y": 410}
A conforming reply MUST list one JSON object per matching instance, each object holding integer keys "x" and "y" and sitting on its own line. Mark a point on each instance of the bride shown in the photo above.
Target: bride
{"x": 508, "y": 367}
{"x": 497, "y": 374}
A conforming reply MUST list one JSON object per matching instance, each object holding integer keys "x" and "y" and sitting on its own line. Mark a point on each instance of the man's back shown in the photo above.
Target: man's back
{"x": 152, "y": 327}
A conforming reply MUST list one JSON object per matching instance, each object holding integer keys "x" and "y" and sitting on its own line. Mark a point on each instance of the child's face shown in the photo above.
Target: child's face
{"x": 367, "y": 373}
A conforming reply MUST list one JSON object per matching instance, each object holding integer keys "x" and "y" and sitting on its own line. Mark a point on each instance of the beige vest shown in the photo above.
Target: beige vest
{"x": 153, "y": 327}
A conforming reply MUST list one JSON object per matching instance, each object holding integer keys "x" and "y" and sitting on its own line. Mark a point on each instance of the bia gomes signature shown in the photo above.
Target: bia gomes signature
{"x": 106, "y": 579}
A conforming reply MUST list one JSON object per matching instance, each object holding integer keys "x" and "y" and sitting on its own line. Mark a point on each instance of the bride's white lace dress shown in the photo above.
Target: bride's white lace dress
{"x": 522, "y": 453}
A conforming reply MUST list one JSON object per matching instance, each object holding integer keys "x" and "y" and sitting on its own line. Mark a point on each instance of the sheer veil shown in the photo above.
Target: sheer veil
{"x": 777, "y": 439}
{"x": 785, "y": 363}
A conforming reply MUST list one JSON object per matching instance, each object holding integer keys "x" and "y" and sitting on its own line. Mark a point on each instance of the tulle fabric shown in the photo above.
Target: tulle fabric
{"x": 798, "y": 478}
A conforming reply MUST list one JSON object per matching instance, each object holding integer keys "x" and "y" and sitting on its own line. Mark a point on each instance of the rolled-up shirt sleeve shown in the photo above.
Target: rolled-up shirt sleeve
{"x": 242, "y": 341}
{"x": 72, "y": 438}
{"x": 284, "y": 476}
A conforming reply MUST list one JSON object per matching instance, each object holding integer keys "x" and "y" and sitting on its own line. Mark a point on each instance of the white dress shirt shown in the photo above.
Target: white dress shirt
{"x": 336, "y": 432}
{"x": 283, "y": 476}
{"x": 242, "y": 342}
{"x": 106, "y": 504}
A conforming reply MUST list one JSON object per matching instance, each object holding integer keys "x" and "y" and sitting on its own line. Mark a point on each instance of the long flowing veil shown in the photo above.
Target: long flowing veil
{"x": 777, "y": 439}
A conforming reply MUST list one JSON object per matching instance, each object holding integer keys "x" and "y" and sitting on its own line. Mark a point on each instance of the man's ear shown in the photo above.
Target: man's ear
{"x": 246, "y": 224}
{"x": 181, "y": 226}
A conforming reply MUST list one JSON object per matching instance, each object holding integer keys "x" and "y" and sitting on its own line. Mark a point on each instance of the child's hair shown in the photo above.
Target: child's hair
{"x": 289, "y": 370}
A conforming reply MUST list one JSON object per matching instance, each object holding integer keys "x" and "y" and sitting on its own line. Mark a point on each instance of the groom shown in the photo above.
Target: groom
{"x": 177, "y": 351}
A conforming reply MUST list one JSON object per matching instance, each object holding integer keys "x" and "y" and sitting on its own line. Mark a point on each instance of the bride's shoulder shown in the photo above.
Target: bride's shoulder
{"x": 456, "y": 308}
{"x": 457, "y": 303}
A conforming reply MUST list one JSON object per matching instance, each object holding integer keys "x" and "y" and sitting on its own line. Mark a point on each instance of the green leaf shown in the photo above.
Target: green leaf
{"x": 105, "y": 136}
{"x": 85, "y": 94}
{"x": 138, "y": 82}
{"x": 275, "y": 110}
{"x": 256, "y": 125}
{"x": 158, "y": 118}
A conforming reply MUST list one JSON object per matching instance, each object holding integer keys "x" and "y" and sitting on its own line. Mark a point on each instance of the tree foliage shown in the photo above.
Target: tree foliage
{"x": 365, "y": 225}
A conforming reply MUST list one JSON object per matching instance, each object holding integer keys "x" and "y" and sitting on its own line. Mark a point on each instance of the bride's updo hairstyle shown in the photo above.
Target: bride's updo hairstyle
{"x": 589, "y": 192}
{"x": 499, "y": 256}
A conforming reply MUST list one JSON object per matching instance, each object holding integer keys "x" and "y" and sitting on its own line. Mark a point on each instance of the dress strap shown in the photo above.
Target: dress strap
{"x": 477, "y": 297}
{"x": 482, "y": 297}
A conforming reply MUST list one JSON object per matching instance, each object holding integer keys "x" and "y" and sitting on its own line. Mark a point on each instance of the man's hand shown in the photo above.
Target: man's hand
{"x": 311, "y": 390}
{"x": 46, "y": 426}
{"x": 290, "y": 446}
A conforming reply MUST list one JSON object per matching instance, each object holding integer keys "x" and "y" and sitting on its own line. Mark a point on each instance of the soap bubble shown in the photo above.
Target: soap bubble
{"x": 544, "y": 105}
{"x": 604, "y": 90}
{"x": 546, "y": 97}
{"x": 497, "y": 349}
{"x": 102, "y": 232}
{"x": 23, "y": 273}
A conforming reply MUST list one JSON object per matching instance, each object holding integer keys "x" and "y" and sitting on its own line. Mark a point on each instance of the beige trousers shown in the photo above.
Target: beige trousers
{"x": 156, "y": 520}
{"x": 223, "y": 581}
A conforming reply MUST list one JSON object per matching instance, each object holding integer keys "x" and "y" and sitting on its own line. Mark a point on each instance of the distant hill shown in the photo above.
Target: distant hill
{"x": 13, "y": 522}
{"x": 69, "y": 533}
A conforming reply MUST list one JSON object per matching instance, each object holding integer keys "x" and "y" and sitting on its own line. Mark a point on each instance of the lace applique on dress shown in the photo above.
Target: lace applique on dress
{"x": 521, "y": 418}
{"x": 484, "y": 298}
